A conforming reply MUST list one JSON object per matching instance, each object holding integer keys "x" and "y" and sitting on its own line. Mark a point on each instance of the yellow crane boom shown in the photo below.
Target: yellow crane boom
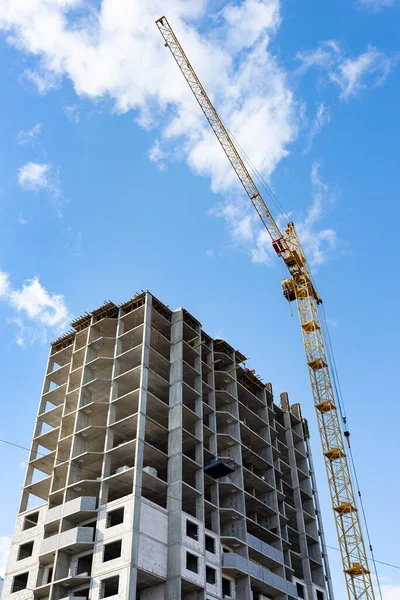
{"x": 300, "y": 288}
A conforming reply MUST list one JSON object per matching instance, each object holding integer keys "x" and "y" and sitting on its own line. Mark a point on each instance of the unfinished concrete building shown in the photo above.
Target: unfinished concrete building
{"x": 160, "y": 468}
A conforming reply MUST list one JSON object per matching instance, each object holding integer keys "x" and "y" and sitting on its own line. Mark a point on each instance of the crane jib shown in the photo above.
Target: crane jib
{"x": 299, "y": 288}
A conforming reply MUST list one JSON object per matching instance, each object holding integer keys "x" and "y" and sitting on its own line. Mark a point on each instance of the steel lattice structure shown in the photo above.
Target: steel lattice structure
{"x": 300, "y": 288}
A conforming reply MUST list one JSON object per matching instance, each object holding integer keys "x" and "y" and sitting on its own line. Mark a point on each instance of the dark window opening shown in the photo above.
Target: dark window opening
{"x": 211, "y": 575}
{"x": 300, "y": 590}
{"x": 50, "y": 575}
{"x": 210, "y": 544}
{"x": 192, "y": 562}
{"x": 115, "y": 517}
{"x": 25, "y": 550}
{"x": 82, "y": 593}
{"x": 192, "y": 530}
{"x": 31, "y": 521}
{"x": 112, "y": 550}
{"x": 109, "y": 587}
{"x": 85, "y": 565}
{"x": 19, "y": 582}
{"x": 226, "y": 588}
{"x": 320, "y": 595}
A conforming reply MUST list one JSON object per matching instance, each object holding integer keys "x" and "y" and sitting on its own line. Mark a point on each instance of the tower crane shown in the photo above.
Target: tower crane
{"x": 299, "y": 288}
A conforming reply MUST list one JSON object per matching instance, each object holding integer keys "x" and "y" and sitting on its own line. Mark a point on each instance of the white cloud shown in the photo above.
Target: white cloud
{"x": 43, "y": 82}
{"x": 114, "y": 52}
{"x": 157, "y": 155}
{"x": 375, "y": 5}
{"x": 5, "y": 545}
{"x": 210, "y": 253}
{"x": 324, "y": 56}
{"x": 322, "y": 118}
{"x": 317, "y": 244}
{"x": 244, "y": 226}
{"x": 351, "y": 75}
{"x": 25, "y": 137}
{"x": 34, "y": 176}
{"x": 35, "y": 309}
{"x": 72, "y": 113}
{"x": 247, "y": 21}
{"x": 40, "y": 305}
{"x": 22, "y": 464}
{"x": 27, "y": 335}
{"x": 4, "y": 284}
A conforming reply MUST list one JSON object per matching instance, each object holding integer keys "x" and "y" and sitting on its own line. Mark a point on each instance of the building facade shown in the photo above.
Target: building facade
{"x": 161, "y": 468}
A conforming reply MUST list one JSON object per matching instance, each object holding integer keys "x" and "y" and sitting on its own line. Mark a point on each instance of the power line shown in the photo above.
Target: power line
{"x": 131, "y": 488}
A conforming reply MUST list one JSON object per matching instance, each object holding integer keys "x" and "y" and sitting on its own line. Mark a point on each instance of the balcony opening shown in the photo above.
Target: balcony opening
{"x": 112, "y": 550}
{"x": 92, "y": 524}
{"x": 189, "y": 506}
{"x": 192, "y": 562}
{"x": 20, "y": 582}
{"x": 109, "y": 587}
{"x": 49, "y": 578}
{"x": 31, "y": 521}
{"x": 226, "y": 588}
{"x": 25, "y": 550}
{"x": 320, "y": 595}
{"x": 211, "y": 575}
{"x": 115, "y": 517}
{"x": 81, "y": 593}
{"x": 192, "y": 530}
{"x": 84, "y": 566}
{"x": 210, "y": 544}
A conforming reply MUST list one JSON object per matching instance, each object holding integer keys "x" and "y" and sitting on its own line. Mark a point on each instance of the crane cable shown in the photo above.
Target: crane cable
{"x": 339, "y": 396}
{"x": 244, "y": 156}
{"x": 331, "y": 356}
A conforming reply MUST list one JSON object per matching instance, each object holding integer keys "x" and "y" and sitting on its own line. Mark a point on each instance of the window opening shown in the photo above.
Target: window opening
{"x": 192, "y": 530}
{"x": 109, "y": 586}
{"x": 211, "y": 575}
{"x": 300, "y": 590}
{"x": 192, "y": 562}
{"x": 112, "y": 550}
{"x": 210, "y": 544}
{"x": 25, "y": 550}
{"x": 31, "y": 521}
{"x": 115, "y": 517}
{"x": 20, "y": 582}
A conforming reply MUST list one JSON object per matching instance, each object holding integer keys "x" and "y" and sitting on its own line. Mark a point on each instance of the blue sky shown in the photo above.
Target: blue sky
{"x": 111, "y": 183}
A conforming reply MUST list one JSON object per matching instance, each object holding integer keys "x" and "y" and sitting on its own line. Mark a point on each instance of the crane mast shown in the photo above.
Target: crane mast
{"x": 299, "y": 287}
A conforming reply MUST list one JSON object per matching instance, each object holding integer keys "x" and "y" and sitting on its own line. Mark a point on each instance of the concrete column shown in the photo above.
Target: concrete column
{"x": 301, "y": 527}
{"x": 174, "y": 501}
{"x": 140, "y": 437}
{"x": 328, "y": 578}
